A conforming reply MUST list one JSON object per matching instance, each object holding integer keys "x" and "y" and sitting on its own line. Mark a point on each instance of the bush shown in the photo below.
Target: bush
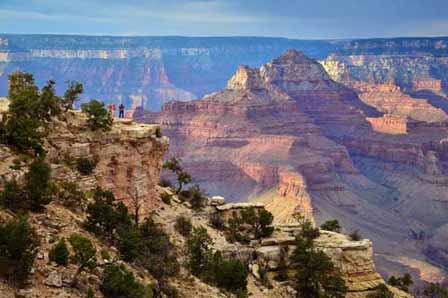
{"x": 117, "y": 282}
{"x": 59, "y": 253}
{"x": 435, "y": 290}
{"x": 195, "y": 196}
{"x": 105, "y": 217}
{"x": 231, "y": 275}
{"x": 212, "y": 267}
{"x": 158, "y": 132}
{"x": 30, "y": 110}
{"x": 331, "y": 225}
{"x": 71, "y": 95}
{"x": 18, "y": 248}
{"x": 35, "y": 194}
{"x": 183, "y": 225}
{"x": 13, "y": 197}
{"x": 260, "y": 221}
{"x": 84, "y": 254}
{"x": 98, "y": 117}
{"x": 307, "y": 229}
{"x": 85, "y": 166}
{"x": 165, "y": 183}
{"x": 71, "y": 196}
{"x": 381, "y": 292}
{"x": 166, "y": 198}
{"x": 316, "y": 275}
{"x": 174, "y": 165}
{"x": 403, "y": 282}
{"x": 355, "y": 236}
{"x": 37, "y": 184}
{"x": 216, "y": 221}
{"x": 157, "y": 253}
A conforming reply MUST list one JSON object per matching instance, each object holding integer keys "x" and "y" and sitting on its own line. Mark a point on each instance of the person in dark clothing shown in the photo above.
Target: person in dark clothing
{"x": 121, "y": 111}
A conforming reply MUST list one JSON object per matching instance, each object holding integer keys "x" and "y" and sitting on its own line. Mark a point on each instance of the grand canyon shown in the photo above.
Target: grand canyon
{"x": 354, "y": 130}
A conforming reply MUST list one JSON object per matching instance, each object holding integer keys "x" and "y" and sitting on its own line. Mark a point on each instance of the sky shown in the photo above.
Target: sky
{"x": 302, "y": 19}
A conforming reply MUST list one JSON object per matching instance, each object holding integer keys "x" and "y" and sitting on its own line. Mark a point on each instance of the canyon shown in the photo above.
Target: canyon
{"x": 293, "y": 136}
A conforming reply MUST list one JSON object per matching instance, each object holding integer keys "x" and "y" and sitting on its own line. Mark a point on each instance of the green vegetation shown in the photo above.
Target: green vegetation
{"x": 174, "y": 165}
{"x": 18, "y": 248}
{"x": 59, "y": 253}
{"x": 381, "y": 292}
{"x": 355, "y": 235}
{"x": 71, "y": 196}
{"x": 71, "y": 95}
{"x": 84, "y": 254}
{"x": 401, "y": 282}
{"x": 105, "y": 217}
{"x": 195, "y": 196}
{"x": 36, "y": 192}
{"x": 98, "y": 117}
{"x": 117, "y": 282}
{"x": 85, "y": 166}
{"x": 183, "y": 225}
{"x": 166, "y": 198}
{"x": 331, "y": 225}
{"x": 30, "y": 111}
{"x": 158, "y": 132}
{"x": 250, "y": 224}
{"x": 211, "y": 267}
{"x": 435, "y": 290}
{"x": 316, "y": 275}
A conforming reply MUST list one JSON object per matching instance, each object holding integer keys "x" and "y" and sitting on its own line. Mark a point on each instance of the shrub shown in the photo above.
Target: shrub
{"x": 90, "y": 293}
{"x": 71, "y": 196}
{"x": 84, "y": 254}
{"x": 18, "y": 248}
{"x": 212, "y": 267}
{"x": 231, "y": 275}
{"x": 37, "y": 184}
{"x": 199, "y": 250}
{"x": 71, "y": 95}
{"x": 165, "y": 183}
{"x": 259, "y": 221}
{"x": 35, "y": 194}
{"x": 381, "y": 292}
{"x": 30, "y": 110}
{"x": 174, "y": 165}
{"x": 435, "y": 290}
{"x": 59, "y": 253}
{"x": 158, "y": 132}
{"x": 216, "y": 221}
{"x": 355, "y": 236}
{"x": 166, "y": 198}
{"x": 403, "y": 282}
{"x": 85, "y": 166}
{"x": 13, "y": 196}
{"x": 195, "y": 196}
{"x": 105, "y": 255}
{"x": 117, "y": 281}
{"x": 331, "y": 225}
{"x": 105, "y": 217}
{"x": 98, "y": 117}
{"x": 316, "y": 275}
{"x": 157, "y": 253}
{"x": 183, "y": 226}
{"x": 307, "y": 229}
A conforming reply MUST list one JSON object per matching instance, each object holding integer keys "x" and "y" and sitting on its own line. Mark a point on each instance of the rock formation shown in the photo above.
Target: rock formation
{"x": 290, "y": 136}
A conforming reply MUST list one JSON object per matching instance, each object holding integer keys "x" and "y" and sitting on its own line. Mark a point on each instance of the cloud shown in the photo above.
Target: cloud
{"x": 289, "y": 18}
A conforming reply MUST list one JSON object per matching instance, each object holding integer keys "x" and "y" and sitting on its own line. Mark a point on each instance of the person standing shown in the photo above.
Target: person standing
{"x": 113, "y": 110}
{"x": 121, "y": 111}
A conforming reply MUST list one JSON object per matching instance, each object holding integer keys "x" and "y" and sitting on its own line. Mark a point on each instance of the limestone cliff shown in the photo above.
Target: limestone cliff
{"x": 290, "y": 136}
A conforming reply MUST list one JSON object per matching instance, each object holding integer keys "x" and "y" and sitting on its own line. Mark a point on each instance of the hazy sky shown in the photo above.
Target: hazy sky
{"x": 287, "y": 18}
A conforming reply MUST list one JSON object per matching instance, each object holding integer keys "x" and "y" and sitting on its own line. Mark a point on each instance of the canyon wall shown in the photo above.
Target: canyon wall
{"x": 149, "y": 71}
{"x": 290, "y": 136}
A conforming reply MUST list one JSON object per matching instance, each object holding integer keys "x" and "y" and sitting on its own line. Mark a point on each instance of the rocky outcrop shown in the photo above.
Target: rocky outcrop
{"x": 288, "y": 135}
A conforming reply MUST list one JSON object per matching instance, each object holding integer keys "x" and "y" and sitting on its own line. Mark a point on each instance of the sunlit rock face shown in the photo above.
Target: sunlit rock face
{"x": 141, "y": 71}
{"x": 290, "y": 136}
